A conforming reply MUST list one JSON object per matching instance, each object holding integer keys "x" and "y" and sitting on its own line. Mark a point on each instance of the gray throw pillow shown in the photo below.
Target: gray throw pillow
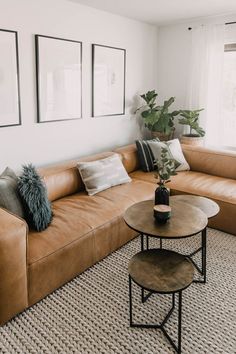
{"x": 9, "y": 196}
{"x": 33, "y": 192}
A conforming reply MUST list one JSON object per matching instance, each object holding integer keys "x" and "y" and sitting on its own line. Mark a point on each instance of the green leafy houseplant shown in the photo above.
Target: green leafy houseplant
{"x": 157, "y": 118}
{"x": 165, "y": 168}
{"x": 191, "y": 118}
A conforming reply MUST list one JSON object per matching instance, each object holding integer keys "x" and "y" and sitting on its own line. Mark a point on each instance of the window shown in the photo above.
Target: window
{"x": 228, "y": 128}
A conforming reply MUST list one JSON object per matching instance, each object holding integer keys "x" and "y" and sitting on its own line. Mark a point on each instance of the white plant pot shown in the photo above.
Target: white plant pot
{"x": 192, "y": 140}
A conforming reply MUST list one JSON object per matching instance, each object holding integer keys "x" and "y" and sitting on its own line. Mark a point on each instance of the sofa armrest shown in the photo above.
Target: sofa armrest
{"x": 13, "y": 265}
{"x": 213, "y": 162}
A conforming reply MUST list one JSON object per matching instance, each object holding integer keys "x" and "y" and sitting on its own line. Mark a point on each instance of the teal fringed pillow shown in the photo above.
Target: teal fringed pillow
{"x": 33, "y": 192}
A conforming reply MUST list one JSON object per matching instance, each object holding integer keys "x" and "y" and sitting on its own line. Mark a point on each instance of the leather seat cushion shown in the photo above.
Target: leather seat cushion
{"x": 77, "y": 215}
{"x": 217, "y": 188}
{"x": 49, "y": 273}
{"x": 125, "y": 195}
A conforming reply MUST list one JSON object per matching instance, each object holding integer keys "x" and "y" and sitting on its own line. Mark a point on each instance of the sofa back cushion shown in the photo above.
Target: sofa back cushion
{"x": 61, "y": 179}
{"x": 64, "y": 179}
{"x": 129, "y": 156}
{"x": 213, "y": 162}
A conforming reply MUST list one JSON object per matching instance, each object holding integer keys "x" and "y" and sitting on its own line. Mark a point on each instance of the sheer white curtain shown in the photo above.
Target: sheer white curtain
{"x": 205, "y": 79}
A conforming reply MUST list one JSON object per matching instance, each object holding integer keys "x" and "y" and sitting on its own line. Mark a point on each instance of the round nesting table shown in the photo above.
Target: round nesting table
{"x": 208, "y": 206}
{"x": 185, "y": 220}
{"x": 189, "y": 216}
{"x": 163, "y": 272}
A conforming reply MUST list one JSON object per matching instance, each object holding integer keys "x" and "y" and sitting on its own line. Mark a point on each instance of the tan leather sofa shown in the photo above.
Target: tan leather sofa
{"x": 85, "y": 229}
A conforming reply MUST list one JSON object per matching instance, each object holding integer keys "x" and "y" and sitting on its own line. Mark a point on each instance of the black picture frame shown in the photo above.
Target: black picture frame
{"x": 16, "y": 76}
{"x": 39, "y": 65}
{"x": 95, "y": 88}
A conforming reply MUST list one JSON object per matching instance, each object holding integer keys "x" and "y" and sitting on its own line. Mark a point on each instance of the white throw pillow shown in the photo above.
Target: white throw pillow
{"x": 103, "y": 174}
{"x": 175, "y": 152}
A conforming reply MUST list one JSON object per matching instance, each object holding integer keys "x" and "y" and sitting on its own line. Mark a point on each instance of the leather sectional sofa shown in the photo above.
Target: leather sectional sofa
{"x": 85, "y": 229}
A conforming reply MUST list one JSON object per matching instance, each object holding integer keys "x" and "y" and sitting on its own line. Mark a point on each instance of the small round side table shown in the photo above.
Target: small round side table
{"x": 189, "y": 217}
{"x": 161, "y": 271}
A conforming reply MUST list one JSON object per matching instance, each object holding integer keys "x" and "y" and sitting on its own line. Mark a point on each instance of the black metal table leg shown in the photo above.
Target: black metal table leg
{"x": 203, "y": 269}
{"x": 176, "y": 346}
{"x": 204, "y": 245}
{"x": 147, "y": 242}
{"x": 169, "y": 313}
{"x": 180, "y": 322}
{"x": 142, "y": 242}
{"x": 130, "y": 302}
{"x": 145, "y": 297}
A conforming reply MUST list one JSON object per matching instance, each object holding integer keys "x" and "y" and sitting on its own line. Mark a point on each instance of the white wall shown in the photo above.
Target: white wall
{"x": 174, "y": 47}
{"x": 57, "y": 141}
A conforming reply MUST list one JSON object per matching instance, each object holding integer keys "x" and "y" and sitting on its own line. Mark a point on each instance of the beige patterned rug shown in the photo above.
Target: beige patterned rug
{"x": 90, "y": 314}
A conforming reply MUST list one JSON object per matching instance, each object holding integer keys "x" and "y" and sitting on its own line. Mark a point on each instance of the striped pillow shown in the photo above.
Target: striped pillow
{"x": 145, "y": 154}
{"x": 103, "y": 174}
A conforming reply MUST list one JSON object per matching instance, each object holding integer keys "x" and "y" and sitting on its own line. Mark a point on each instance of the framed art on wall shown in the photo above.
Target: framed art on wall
{"x": 10, "y": 114}
{"x": 108, "y": 80}
{"x": 59, "y": 78}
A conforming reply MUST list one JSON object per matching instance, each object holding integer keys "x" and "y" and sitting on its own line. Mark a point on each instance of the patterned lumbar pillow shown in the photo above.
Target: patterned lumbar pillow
{"x": 9, "y": 196}
{"x": 103, "y": 174}
{"x": 175, "y": 152}
{"x": 145, "y": 155}
{"x": 38, "y": 211}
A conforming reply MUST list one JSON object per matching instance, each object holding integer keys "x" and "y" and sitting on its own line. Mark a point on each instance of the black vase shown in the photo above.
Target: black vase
{"x": 162, "y": 195}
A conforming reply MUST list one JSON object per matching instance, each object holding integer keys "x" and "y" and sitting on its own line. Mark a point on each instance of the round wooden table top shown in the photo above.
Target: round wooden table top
{"x": 208, "y": 206}
{"x": 186, "y": 220}
{"x": 160, "y": 270}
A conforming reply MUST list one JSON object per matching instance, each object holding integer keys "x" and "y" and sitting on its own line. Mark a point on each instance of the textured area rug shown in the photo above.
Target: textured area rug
{"x": 91, "y": 314}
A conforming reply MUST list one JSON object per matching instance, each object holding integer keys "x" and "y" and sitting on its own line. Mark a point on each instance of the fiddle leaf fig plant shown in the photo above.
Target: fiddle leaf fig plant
{"x": 191, "y": 118}
{"x": 165, "y": 167}
{"x": 157, "y": 118}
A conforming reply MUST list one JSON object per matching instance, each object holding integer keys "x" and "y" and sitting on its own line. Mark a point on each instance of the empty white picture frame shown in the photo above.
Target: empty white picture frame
{"x": 59, "y": 79}
{"x": 10, "y": 114}
{"x": 108, "y": 80}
